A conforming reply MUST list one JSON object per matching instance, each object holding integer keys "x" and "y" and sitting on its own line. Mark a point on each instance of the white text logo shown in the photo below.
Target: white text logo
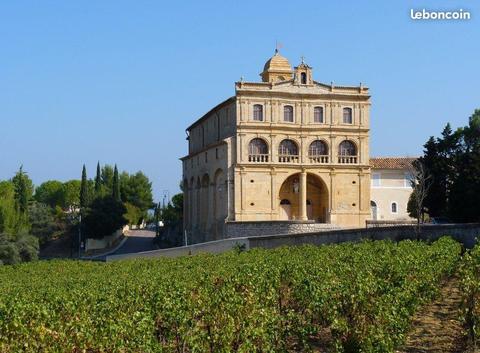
{"x": 439, "y": 15}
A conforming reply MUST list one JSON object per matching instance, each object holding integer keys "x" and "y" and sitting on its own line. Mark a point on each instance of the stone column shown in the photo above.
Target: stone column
{"x": 303, "y": 195}
{"x": 240, "y": 152}
{"x": 273, "y": 116}
{"x": 302, "y": 150}
{"x": 273, "y": 187}
{"x": 333, "y": 203}
{"x": 268, "y": 111}
{"x": 243, "y": 192}
{"x": 241, "y": 109}
{"x": 297, "y": 114}
{"x": 273, "y": 149}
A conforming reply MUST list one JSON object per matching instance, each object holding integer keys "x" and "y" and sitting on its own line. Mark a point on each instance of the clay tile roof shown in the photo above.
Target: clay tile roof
{"x": 391, "y": 162}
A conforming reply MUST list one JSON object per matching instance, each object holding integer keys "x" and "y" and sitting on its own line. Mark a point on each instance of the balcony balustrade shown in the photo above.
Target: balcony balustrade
{"x": 347, "y": 159}
{"x": 258, "y": 158}
{"x": 321, "y": 159}
{"x": 288, "y": 158}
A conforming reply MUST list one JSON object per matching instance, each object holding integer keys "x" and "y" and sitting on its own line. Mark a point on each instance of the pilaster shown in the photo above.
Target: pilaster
{"x": 303, "y": 195}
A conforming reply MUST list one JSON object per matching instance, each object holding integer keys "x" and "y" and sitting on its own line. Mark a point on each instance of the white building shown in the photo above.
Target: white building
{"x": 390, "y": 188}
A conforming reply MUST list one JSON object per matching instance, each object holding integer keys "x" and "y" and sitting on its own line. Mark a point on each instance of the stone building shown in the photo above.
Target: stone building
{"x": 288, "y": 149}
{"x": 390, "y": 188}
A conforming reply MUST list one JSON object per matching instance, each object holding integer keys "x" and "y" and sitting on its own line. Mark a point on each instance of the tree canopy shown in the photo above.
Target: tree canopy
{"x": 50, "y": 193}
{"x": 104, "y": 216}
{"x": 453, "y": 162}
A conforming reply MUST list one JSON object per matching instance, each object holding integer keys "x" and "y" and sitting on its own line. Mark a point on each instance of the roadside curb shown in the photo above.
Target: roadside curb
{"x": 125, "y": 238}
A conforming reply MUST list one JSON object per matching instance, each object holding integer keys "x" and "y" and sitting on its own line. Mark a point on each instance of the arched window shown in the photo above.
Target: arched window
{"x": 257, "y": 150}
{"x": 318, "y": 152}
{"x": 303, "y": 75}
{"x": 288, "y": 148}
{"x": 347, "y": 148}
{"x": 258, "y": 112}
{"x": 394, "y": 207}
{"x": 347, "y": 116}
{"x": 374, "y": 210}
{"x": 288, "y": 113}
{"x": 318, "y": 115}
{"x": 318, "y": 148}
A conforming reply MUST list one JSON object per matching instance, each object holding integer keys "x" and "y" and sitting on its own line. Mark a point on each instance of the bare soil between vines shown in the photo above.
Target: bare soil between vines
{"x": 436, "y": 327}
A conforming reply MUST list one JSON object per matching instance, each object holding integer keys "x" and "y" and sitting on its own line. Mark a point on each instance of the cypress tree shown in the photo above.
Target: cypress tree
{"x": 22, "y": 194}
{"x": 98, "y": 181}
{"x": 116, "y": 185}
{"x": 84, "y": 189}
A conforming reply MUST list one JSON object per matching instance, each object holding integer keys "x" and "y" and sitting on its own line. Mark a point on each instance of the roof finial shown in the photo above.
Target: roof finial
{"x": 277, "y": 46}
{"x": 303, "y": 59}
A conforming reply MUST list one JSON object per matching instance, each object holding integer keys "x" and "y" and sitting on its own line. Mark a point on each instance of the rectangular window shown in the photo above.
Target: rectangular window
{"x": 288, "y": 113}
{"x": 347, "y": 116}
{"x": 376, "y": 177}
{"x": 318, "y": 115}
{"x": 408, "y": 180}
{"x": 258, "y": 112}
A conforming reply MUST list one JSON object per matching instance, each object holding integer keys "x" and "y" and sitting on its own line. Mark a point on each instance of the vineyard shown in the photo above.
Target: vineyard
{"x": 355, "y": 297}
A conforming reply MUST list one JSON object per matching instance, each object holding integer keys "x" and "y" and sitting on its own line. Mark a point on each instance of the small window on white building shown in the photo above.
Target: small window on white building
{"x": 394, "y": 207}
{"x": 408, "y": 180}
{"x": 376, "y": 177}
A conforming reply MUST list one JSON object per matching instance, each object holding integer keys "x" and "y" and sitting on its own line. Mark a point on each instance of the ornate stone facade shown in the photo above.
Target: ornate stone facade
{"x": 286, "y": 148}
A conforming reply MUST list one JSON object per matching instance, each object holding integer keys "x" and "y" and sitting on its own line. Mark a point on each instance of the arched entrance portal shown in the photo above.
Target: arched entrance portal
{"x": 316, "y": 201}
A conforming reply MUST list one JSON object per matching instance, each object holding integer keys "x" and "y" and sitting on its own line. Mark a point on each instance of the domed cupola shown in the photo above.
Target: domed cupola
{"x": 277, "y": 68}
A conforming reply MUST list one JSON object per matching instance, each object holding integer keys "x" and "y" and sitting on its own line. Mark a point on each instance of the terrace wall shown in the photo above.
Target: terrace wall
{"x": 464, "y": 233}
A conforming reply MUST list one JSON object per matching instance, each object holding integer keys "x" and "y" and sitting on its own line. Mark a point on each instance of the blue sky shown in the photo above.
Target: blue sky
{"x": 118, "y": 81}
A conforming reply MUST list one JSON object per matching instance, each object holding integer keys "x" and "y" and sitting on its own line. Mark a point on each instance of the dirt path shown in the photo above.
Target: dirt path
{"x": 436, "y": 327}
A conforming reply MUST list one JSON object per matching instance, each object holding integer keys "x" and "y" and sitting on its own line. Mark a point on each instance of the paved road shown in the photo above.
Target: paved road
{"x": 137, "y": 240}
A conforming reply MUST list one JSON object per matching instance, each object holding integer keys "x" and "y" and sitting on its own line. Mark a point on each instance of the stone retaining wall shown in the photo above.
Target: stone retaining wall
{"x": 261, "y": 228}
{"x": 464, "y": 233}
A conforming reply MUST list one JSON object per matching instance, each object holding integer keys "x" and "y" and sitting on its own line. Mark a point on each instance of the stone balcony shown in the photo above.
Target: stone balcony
{"x": 288, "y": 158}
{"x": 319, "y": 159}
{"x": 295, "y": 159}
{"x": 347, "y": 159}
{"x": 258, "y": 158}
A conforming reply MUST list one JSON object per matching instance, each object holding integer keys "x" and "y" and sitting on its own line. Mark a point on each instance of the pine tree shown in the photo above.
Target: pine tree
{"x": 84, "y": 189}
{"x": 98, "y": 181}
{"x": 116, "y": 185}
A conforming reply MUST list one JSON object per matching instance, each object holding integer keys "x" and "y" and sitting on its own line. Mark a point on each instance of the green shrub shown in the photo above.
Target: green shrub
{"x": 9, "y": 254}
